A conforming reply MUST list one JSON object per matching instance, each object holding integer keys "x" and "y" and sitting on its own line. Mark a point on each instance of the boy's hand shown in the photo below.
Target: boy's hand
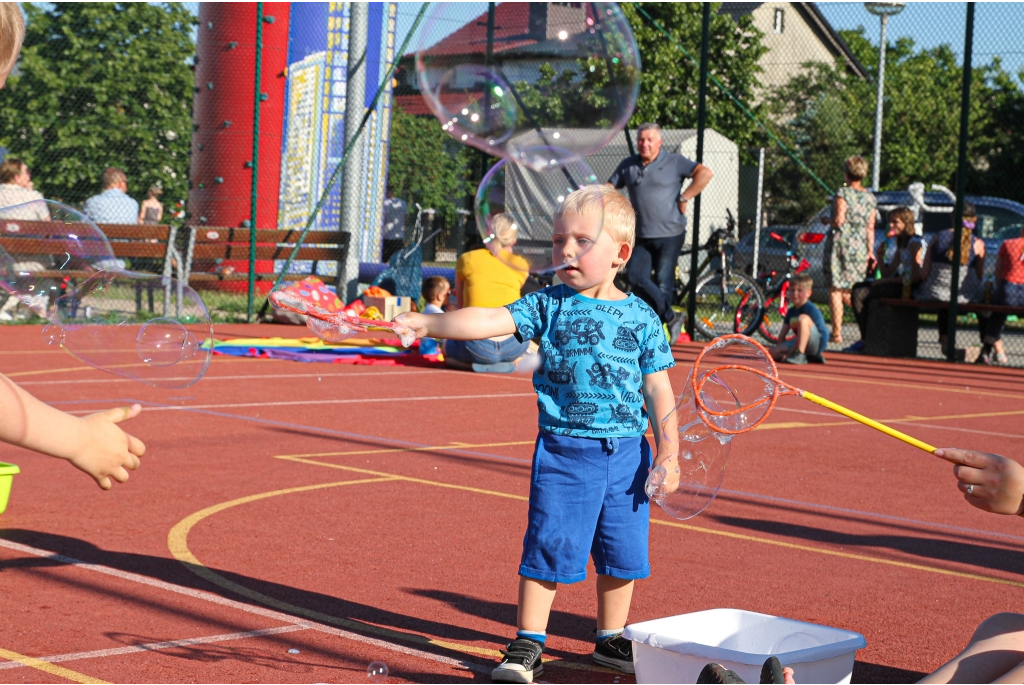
{"x": 415, "y": 322}
{"x": 106, "y": 451}
{"x": 989, "y": 482}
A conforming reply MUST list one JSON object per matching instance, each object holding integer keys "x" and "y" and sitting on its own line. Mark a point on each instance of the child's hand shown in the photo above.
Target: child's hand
{"x": 415, "y": 322}
{"x": 989, "y": 482}
{"x": 106, "y": 451}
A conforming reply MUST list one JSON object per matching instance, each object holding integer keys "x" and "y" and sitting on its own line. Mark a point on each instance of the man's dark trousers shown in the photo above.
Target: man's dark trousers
{"x": 661, "y": 255}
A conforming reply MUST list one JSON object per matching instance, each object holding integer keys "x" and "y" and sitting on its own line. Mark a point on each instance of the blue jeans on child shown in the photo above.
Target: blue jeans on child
{"x": 485, "y": 351}
{"x": 587, "y": 498}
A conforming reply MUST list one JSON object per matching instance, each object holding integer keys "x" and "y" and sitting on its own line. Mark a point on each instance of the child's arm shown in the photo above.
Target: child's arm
{"x": 471, "y": 323}
{"x": 661, "y": 403}
{"x": 93, "y": 444}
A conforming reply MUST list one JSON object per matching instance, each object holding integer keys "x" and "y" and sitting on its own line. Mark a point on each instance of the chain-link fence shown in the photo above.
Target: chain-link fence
{"x": 232, "y": 116}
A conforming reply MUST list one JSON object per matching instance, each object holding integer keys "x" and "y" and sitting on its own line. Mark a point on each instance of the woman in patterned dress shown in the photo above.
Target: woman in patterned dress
{"x": 849, "y": 249}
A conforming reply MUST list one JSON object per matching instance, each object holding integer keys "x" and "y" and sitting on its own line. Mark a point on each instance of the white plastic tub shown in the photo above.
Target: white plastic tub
{"x": 675, "y": 649}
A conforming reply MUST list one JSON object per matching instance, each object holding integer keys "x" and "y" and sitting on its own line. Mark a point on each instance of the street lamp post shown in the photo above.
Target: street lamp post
{"x": 884, "y": 10}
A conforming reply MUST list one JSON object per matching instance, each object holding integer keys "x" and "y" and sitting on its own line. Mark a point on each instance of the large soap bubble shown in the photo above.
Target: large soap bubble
{"x": 539, "y": 83}
{"x": 515, "y": 208}
{"x": 56, "y": 261}
{"x": 96, "y": 322}
{"x": 688, "y": 481}
{"x": 43, "y": 245}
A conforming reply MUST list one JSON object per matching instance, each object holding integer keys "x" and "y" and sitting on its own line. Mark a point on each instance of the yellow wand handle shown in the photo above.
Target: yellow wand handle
{"x": 867, "y": 422}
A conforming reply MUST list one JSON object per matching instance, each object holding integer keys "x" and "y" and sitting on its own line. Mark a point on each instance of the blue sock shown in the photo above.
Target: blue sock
{"x": 540, "y": 637}
{"x": 605, "y": 634}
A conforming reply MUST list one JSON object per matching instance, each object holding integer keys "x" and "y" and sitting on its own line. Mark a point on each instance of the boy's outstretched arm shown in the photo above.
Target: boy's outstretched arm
{"x": 661, "y": 404}
{"x": 471, "y": 323}
{"x": 93, "y": 444}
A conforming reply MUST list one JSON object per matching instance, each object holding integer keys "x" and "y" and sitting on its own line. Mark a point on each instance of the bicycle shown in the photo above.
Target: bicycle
{"x": 721, "y": 291}
{"x": 768, "y": 316}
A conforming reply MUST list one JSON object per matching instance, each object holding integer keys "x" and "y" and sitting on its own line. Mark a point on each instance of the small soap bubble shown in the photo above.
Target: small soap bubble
{"x": 53, "y": 334}
{"x": 164, "y": 341}
{"x": 377, "y": 672}
{"x": 294, "y": 651}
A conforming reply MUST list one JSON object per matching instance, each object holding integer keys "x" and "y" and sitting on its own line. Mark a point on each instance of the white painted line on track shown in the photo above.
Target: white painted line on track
{"x": 321, "y": 402}
{"x": 248, "y": 608}
{"x": 156, "y": 646}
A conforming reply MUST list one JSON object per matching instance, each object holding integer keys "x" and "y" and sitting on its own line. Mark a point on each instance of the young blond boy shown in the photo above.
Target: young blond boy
{"x": 811, "y": 337}
{"x": 604, "y": 357}
{"x": 94, "y": 444}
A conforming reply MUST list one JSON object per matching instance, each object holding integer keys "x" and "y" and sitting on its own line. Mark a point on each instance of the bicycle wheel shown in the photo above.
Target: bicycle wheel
{"x": 771, "y": 321}
{"x": 748, "y": 313}
{"x": 717, "y": 308}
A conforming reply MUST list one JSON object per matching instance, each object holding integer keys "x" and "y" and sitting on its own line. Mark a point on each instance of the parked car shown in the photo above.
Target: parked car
{"x": 998, "y": 220}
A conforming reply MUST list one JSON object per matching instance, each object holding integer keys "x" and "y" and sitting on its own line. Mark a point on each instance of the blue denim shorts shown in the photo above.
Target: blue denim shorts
{"x": 485, "y": 351}
{"x": 587, "y": 499}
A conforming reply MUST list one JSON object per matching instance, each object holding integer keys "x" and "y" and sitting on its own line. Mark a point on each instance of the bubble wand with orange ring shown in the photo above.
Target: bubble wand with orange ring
{"x": 779, "y": 388}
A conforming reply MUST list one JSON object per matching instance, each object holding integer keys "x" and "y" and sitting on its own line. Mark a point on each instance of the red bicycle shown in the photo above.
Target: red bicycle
{"x": 767, "y": 319}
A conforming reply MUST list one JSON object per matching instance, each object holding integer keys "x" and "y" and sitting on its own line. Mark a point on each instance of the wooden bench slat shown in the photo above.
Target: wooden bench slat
{"x": 154, "y": 250}
{"x": 137, "y": 232}
{"x": 963, "y": 308}
{"x": 37, "y": 246}
{"x": 241, "y": 235}
{"x": 209, "y": 251}
{"x": 243, "y": 276}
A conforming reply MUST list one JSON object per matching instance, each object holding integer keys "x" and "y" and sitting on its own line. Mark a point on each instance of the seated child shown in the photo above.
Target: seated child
{"x": 604, "y": 355}
{"x": 811, "y": 337}
{"x": 435, "y": 291}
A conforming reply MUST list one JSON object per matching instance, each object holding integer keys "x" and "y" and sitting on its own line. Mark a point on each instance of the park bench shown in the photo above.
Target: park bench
{"x": 893, "y": 323}
{"x": 209, "y": 247}
{"x": 147, "y": 248}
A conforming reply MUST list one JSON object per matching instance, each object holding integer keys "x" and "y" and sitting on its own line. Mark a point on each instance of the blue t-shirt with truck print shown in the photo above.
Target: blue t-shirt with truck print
{"x": 594, "y": 355}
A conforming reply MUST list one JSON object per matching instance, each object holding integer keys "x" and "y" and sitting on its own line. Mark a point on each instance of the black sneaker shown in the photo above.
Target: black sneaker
{"x": 771, "y": 672}
{"x": 816, "y": 358}
{"x": 717, "y": 674}
{"x": 615, "y": 652}
{"x": 521, "y": 663}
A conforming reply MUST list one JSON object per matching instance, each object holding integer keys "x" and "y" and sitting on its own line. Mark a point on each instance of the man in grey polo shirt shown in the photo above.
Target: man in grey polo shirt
{"x": 654, "y": 180}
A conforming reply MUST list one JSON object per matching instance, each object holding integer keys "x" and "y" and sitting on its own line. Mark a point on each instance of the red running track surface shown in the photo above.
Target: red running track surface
{"x": 376, "y": 513}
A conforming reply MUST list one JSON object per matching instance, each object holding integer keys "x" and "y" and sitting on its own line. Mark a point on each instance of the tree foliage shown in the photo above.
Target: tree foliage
{"x": 669, "y": 83}
{"x": 102, "y": 84}
{"x": 425, "y": 165}
{"x": 827, "y": 114}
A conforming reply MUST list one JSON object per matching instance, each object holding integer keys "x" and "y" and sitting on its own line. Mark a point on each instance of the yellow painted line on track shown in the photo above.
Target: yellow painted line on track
{"x": 712, "y": 531}
{"x": 177, "y": 543}
{"x": 52, "y": 669}
{"x": 391, "y": 450}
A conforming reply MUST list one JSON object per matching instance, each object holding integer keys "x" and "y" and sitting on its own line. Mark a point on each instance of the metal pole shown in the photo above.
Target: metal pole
{"x": 351, "y": 180}
{"x": 961, "y": 182}
{"x": 757, "y": 215}
{"x": 702, "y": 111}
{"x": 255, "y": 159}
{"x": 876, "y": 172}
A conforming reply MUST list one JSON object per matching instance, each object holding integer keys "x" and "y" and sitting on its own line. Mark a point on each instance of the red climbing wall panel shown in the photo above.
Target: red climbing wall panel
{"x": 222, "y": 114}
